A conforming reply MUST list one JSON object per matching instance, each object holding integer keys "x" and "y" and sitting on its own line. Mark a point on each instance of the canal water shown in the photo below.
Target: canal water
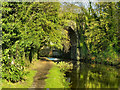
{"x": 85, "y": 75}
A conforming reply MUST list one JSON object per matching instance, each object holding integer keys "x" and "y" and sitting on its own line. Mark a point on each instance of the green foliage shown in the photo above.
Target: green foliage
{"x": 110, "y": 56}
{"x": 65, "y": 66}
{"x": 13, "y": 69}
{"x": 81, "y": 27}
{"x": 98, "y": 30}
{"x": 23, "y": 84}
{"x": 27, "y": 27}
{"x": 14, "y": 74}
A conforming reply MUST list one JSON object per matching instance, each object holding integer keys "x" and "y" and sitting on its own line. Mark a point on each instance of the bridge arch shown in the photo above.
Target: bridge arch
{"x": 73, "y": 43}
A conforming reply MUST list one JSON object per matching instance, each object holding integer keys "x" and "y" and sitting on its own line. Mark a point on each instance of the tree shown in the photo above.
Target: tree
{"x": 28, "y": 27}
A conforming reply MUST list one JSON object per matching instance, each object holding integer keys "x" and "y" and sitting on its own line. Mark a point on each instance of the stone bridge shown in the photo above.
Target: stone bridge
{"x": 71, "y": 53}
{"x": 72, "y": 34}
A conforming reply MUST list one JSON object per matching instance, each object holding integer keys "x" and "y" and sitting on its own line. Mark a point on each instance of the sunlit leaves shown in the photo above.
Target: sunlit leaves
{"x": 28, "y": 27}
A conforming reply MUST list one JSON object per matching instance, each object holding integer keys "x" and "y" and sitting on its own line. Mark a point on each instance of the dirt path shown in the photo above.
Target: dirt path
{"x": 42, "y": 68}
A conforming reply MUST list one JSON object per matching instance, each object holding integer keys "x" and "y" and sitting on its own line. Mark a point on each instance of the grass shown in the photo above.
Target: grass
{"x": 56, "y": 79}
{"x": 0, "y": 77}
{"x": 0, "y": 83}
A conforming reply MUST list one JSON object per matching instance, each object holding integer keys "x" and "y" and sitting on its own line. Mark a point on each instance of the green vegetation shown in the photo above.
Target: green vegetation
{"x": 65, "y": 66}
{"x": 0, "y": 83}
{"x": 98, "y": 31}
{"x": 56, "y": 79}
{"x": 29, "y": 27}
{"x": 21, "y": 84}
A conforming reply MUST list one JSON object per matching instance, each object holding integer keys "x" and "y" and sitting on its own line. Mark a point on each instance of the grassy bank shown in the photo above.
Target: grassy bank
{"x": 56, "y": 79}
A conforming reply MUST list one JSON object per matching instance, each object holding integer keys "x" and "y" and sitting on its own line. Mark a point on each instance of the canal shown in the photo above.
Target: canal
{"x": 85, "y": 75}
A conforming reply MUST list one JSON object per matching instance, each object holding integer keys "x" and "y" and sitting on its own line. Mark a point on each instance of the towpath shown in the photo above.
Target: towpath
{"x": 42, "y": 67}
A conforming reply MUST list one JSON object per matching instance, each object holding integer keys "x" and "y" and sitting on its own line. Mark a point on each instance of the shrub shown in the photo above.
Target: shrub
{"x": 12, "y": 69}
{"x": 110, "y": 55}
{"x": 65, "y": 66}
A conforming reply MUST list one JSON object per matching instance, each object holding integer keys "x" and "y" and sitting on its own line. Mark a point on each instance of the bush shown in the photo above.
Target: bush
{"x": 108, "y": 56}
{"x": 13, "y": 73}
{"x": 24, "y": 84}
{"x": 65, "y": 66}
{"x": 12, "y": 69}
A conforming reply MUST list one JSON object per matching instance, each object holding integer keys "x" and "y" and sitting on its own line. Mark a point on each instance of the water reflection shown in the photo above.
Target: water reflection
{"x": 94, "y": 76}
